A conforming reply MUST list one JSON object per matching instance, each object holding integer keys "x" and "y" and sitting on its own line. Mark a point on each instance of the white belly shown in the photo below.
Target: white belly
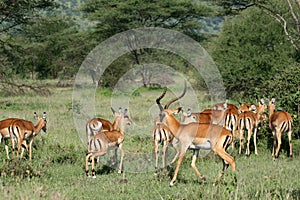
{"x": 206, "y": 145}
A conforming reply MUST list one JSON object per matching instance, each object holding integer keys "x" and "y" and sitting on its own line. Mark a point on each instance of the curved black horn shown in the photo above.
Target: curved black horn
{"x": 177, "y": 98}
{"x": 160, "y": 97}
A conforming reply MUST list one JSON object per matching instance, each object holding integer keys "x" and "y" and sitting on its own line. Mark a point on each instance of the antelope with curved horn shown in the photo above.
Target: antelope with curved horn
{"x": 106, "y": 140}
{"x": 163, "y": 136}
{"x": 197, "y": 136}
{"x": 20, "y": 130}
{"x": 280, "y": 121}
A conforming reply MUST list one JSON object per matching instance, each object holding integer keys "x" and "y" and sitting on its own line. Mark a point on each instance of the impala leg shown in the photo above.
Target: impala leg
{"x": 24, "y": 146}
{"x": 248, "y": 141}
{"x": 156, "y": 154}
{"x": 254, "y": 140}
{"x": 241, "y": 136}
{"x": 87, "y": 161}
{"x": 122, "y": 157}
{"x": 274, "y": 143}
{"x": 92, "y": 158}
{"x": 20, "y": 141}
{"x": 30, "y": 149}
{"x": 180, "y": 159}
{"x": 165, "y": 147}
{"x": 290, "y": 143}
{"x": 6, "y": 147}
{"x": 175, "y": 145}
{"x": 278, "y": 143}
{"x": 196, "y": 153}
{"x": 227, "y": 160}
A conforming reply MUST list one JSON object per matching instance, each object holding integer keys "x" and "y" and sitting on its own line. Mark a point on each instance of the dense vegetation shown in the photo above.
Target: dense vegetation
{"x": 255, "y": 45}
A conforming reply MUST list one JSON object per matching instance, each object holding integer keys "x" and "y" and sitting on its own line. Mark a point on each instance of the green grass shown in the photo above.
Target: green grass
{"x": 57, "y": 168}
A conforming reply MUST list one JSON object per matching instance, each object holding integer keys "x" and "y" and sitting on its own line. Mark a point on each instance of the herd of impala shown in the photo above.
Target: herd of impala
{"x": 213, "y": 129}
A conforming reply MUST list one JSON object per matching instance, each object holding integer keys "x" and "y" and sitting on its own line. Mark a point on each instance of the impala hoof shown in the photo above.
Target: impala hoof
{"x": 171, "y": 183}
{"x": 203, "y": 178}
{"x": 216, "y": 183}
{"x": 94, "y": 176}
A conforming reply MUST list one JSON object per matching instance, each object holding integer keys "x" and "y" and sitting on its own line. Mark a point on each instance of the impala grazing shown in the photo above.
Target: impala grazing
{"x": 20, "y": 130}
{"x": 197, "y": 136}
{"x": 106, "y": 140}
{"x": 280, "y": 121}
{"x": 4, "y": 132}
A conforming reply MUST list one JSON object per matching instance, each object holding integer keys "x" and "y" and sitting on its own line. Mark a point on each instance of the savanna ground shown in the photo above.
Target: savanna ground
{"x": 57, "y": 168}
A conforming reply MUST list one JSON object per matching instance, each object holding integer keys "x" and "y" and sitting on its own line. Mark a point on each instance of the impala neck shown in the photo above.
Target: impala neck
{"x": 38, "y": 126}
{"x": 272, "y": 108}
{"x": 121, "y": 125}
{"x": 173, "y": 124}
{"x": 116, "y": 123}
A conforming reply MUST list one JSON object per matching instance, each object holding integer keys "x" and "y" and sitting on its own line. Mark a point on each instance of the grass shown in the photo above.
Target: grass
{"x": 57, "y": 168}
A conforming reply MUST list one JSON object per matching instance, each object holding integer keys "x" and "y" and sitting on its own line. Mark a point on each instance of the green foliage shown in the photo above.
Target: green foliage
{"x": 117, "y": 16}
{"x": 256, "y": 61}
{"x": 21, "y": 169}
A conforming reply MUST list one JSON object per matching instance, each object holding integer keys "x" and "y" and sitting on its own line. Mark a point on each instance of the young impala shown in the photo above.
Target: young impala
{"x": 97, "y": 125}
{"x": 280, "y": 121}
{"x": 104, "y": 141}
{"x": 20, "y": 130}
{"x": 196, "y": 136}
{"x": 4, "y": 132}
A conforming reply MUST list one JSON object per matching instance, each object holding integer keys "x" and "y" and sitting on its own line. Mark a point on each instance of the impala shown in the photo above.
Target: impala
{"x": 22, "y": 129}
{"x": 222, "y": 114}
{"x": 96, "y": 125}
{"x": 250, "y": 121}
{"x": 162, "y": 136}
{"x": 104, "y": 141}
{"x": 196, "y": 136}
{"x": 4, "y": 132}
{"x": 280, "y": 121}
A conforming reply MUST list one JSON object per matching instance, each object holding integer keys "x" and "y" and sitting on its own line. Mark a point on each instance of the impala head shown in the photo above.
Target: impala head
{"x": 188, "y": 117}
{"x": 165, "y": 110}
{"x": 262, "y": 106}
{"x": 121, "y": 116}
{"x": 42, "y": 120}
{"x": 272, "y": 104}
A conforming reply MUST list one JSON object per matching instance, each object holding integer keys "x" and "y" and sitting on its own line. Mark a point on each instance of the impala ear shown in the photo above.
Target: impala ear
{"x": 44, "y": 116}
{"x": 189, "y": 112}
{"x": 273, "y": 100}
{"x": 36, "y": 115}
{"x": 178, "y": 110}
{"x": 113, "y": 111}
{"x": 120, "y": 110}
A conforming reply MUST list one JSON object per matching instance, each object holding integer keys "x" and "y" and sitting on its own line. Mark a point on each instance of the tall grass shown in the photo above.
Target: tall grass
{"x": 57, "y": 168}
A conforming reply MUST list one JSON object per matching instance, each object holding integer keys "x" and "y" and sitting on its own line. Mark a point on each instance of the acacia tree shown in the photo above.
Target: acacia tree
{"x": 112, "y": 17}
